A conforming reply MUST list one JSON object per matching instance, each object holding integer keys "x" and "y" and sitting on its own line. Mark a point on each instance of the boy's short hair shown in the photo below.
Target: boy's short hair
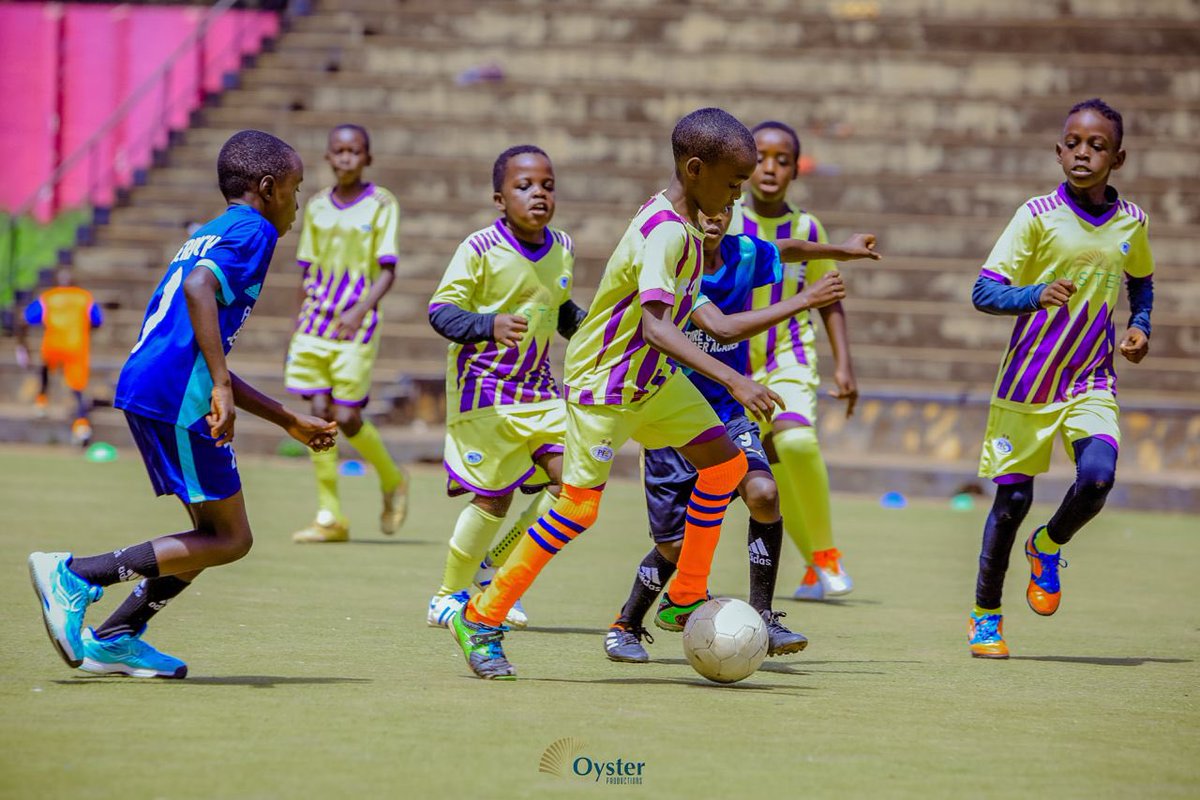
{"x": 710, "y": 134}
{"x": 776, "y": 125}
{"x": 353, "y": 126}
{"x": 502, "y": 160}
{"x": 1105, "y": 110}
{"x": 248, "y": 157}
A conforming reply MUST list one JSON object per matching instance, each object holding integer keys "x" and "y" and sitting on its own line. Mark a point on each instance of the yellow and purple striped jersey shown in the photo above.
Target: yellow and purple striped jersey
{"x": 494, "y": 273}
{"x": 790, "y": 343}
{"x": 658, "y": 259}
{"x": 341, "y": 250}
{"x": 1060, "y": 353}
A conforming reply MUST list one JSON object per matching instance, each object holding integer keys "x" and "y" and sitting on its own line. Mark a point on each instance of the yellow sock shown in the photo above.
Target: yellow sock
{"x": 540, "y": 505}
{"x": 793, "y": 515}
{"x": 473, "y": 532}
{"x": 808, "y": 483}
{"x": 1043, "y": 542}
{"x": 370, "y": 446}
{"x": 980, "y": 611}
{"x": 326, "y": 465}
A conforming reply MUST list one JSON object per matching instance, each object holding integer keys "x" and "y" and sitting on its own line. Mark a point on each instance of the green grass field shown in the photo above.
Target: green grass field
{"x": 312, "y": 673}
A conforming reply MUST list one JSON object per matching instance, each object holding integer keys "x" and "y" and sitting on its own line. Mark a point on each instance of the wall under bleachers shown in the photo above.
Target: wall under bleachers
{"x": 927, "y": 122}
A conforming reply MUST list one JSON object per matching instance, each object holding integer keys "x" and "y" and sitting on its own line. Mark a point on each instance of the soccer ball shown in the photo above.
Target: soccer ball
{"x": 725, "y": 640}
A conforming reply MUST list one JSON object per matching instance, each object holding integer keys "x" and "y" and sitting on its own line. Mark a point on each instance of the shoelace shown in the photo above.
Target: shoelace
{"x": 774, "y": 617}
{"x": 640, "y": 633}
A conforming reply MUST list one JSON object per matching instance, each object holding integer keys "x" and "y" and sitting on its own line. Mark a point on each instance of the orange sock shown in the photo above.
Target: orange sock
{"x": 702, "y": 528}
{"x": 574, "y": 512}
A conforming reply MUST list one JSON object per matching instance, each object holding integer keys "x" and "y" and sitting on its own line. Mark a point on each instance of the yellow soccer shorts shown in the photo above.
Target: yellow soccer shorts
{"x": 323, "y": 366}
{"x": 1019, "y": 443}
{"x": 493, "y": 452}
{"x": 797, "y": 385}
{"x": 674, "y": 416}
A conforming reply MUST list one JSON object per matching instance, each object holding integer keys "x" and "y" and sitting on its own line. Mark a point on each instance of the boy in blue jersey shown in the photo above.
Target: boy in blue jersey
{"x": 734, "y": 266}
{"x": 179, "y": 398}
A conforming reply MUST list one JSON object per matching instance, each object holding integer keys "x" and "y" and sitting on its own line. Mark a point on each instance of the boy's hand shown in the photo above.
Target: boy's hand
{"x": 220, "y": 418}
{"x": 22, "y": 356}
{"x": 509, "y": 329}
{"x": 1057, "y": 293}
{"x": 860, "y": 245}
{"x": 758, "y": 399}
{"x": 847, "y": 389}
{"x": 826, "y": 291}
{"x": 1135, "y": 345}
{"x": 349, "y": 323}
{"x": 313, "y": 432}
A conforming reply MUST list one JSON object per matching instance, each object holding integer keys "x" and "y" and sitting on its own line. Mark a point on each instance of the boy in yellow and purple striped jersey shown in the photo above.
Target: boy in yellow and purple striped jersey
{"x": 348, "y": 254}
{"x": 1058, "y": 267}
{"x": 622, "y": 381}
{"x": 505, "y": 293}
{"x": 785, "y": 359}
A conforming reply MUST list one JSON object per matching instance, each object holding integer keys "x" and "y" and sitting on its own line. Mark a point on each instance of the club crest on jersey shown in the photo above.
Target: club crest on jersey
{"x": 1124, "y": 248}
{"x": 563, "y": 281}
{"x": 365, "y": 227}
{"x": 474, "y": 457}
{"x": 603, "y": 452}
{"x": 1003, "y": 445}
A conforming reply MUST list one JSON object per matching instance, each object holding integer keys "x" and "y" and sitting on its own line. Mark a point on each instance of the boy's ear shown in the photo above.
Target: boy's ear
{"x": 693, "y": 167}
{"x": 266, "y": 186}
{"x": 1118, "y": 160}
{"x": 1058, "y": 151}
{"x": 498, "y": 199}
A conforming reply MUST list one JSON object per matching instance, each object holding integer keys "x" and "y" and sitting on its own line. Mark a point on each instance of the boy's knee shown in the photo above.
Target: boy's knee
{"x": 555, "y": 489}
{"x": 496, "y": 506}
{"x": 761, "y": 496}
{"x": 235, "y": 546}
{"x": 349, "y": 419}
{"x": 670, "y": 550}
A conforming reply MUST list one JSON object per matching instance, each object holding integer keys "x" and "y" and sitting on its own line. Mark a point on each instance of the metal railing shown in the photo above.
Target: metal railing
{"x": 119, "y": 170}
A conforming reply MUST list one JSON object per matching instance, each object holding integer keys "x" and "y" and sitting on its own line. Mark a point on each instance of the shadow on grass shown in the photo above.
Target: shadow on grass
{"x": 587, "y": 631}
{"x": 257, "y": 681}
{"x": 1104, "y": 661}
{"x": 696, "y": 682}
{"x": 801, "y": 667}
{"x": 411, "y": 542}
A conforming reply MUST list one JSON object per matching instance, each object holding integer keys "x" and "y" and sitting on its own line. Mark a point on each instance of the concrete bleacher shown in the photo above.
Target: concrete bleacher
{"x": 929, "y": 123}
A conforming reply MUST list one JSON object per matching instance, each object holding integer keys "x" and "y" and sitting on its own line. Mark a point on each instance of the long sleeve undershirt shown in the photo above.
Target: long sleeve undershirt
{"x": 465, "y": 327}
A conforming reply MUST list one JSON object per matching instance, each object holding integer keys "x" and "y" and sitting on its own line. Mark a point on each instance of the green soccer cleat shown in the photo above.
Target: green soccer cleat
{"x": 128, "y": 655}
{"x": 480, "y": 644}
{"x": 671, "y": 617}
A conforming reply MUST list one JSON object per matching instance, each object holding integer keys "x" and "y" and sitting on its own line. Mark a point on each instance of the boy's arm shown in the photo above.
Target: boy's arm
{"x": 661, "y": 334}
{"x": 200, "y": 288}
{"x": 570, "y": 317}
{"x": 350, "y": 320}
{"x": 731, "y": 328}
{"x": 860, "y": 245}
{"x": 992, "y": 296}
{"x": 466, "y": 327}
{"x": 311, "y": 431}
{"x": 834, "y": 317}
{"x": 1136, "y": 342}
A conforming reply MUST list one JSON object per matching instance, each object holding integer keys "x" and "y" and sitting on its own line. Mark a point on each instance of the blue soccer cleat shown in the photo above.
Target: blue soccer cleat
{"x": 64, "y": 597}
{"x": 127, "y": 655}
{"x": 1044, "y": 592}
{"x": 480, "y": 645}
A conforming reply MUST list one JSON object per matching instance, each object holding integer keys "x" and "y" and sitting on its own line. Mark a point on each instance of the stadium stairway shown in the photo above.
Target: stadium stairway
{"x": 926, "y": 121}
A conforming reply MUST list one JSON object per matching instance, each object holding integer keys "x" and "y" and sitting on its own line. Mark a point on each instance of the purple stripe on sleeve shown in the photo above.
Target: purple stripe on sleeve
{"x": 749, "y": 226}
{"x": 794, "y": 417}
{"x": 1110, "y": 441}
{"x": 1068, "y": 342}
{"x": 656, "y": 296}
{"x": 658, "y": 218}
{"x": 995, "y": 276}
{"x": 385, "y": 261}
{"x": 1017, "y": 353}
{"x": 1083, "y": 352}
{"x": 304, "y": 265}
{"x": 784, "y": 231}
{"x": 475, "y": 246}
{"x": 435, "y": 306}
{"x": 1053, "y": 333}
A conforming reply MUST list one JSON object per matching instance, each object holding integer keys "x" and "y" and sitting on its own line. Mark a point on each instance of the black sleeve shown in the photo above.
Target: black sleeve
{"x": 570, "y": 317}
{"x": 461, "y": 326}
{"x": 993, "y": 297}
{"x": 1141, "y": 301}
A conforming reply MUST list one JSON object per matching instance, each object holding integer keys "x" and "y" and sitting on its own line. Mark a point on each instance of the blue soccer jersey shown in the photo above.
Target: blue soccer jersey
{"x": 749, "y": 263}
{"x": 166, "y": 377}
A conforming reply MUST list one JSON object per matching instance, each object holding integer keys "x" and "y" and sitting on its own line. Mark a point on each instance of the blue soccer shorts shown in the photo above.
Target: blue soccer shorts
{"x": 668, "y": 479}
{"x": 184, "y": 463}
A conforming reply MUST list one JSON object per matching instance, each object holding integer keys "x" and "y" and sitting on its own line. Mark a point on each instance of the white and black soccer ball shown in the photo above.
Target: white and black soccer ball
{"x": 725, "y": 640}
